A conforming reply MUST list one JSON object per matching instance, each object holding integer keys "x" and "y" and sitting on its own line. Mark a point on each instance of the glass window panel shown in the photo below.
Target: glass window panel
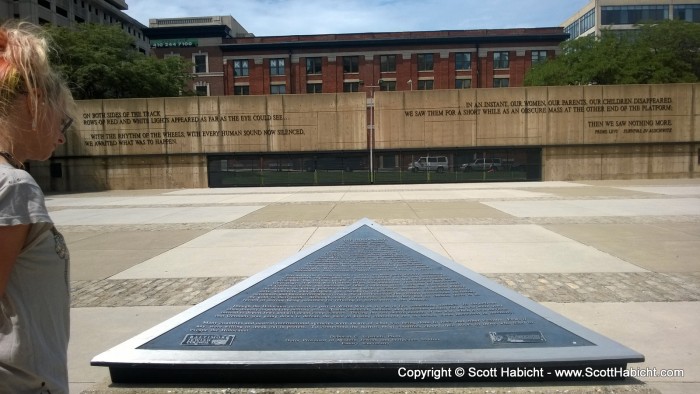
{"x": 314, "y": 88}
{"x": 539, "y": 56}
{"x": 241, "y": 90}
{"x": 501, "y": 82}
{"x": 351, "y": 64}
{"x": 687, "y": 12}
{"x": 387, "y": 86}
{"x": 630, "y": 15}
{"x": 200, "y": 63}
{"x": 313, "y": 65}
{"x": 425, "y": 84}
{"x": 201, "y": 90}
{"x": 278, "y": 89}
{"x": 387, "y": 63}
{"x": 276, "y": 66}
{"x": 463, "y": 83}
{"x": 351, "y": 87}
{"x": 240, "y": 68}
{"x": 425, "y": 62}
{"x": 463, "y": 61}
{"x": 500, "y": 60}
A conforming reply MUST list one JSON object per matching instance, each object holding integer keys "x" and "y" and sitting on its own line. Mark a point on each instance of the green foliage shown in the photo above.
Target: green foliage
{"x": 101, "y": 62}
{"x": 665, "y": 52}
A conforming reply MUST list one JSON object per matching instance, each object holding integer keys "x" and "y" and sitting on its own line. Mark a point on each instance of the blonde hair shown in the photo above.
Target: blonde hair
{"x": 25, "y": 69}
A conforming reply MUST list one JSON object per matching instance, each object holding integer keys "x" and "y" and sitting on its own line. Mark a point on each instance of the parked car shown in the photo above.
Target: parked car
{"x": 430, "y": 163}
{"x": 482, "y": 165}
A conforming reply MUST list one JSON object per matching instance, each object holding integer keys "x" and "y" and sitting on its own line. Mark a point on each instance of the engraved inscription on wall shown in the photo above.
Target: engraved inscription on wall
{"x": 633, "y": 112}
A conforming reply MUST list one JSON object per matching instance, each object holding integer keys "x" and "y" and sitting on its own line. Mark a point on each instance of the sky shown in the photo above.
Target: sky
{"x": 291, "y": 17}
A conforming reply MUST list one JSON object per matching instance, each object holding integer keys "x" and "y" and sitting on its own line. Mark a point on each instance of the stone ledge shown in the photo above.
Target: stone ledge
{"x": 629, "y": 386}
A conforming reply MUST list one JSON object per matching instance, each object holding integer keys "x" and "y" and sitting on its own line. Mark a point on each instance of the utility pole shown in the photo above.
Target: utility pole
{"x": 371, "y": 132}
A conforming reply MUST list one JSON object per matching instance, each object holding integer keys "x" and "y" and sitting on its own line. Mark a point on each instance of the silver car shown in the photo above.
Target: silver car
{"x": 482, "y": 165}
{"x": 430, "y": 163}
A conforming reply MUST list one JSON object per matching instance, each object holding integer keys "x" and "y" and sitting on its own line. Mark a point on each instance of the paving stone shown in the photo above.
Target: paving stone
{"x": 581, "y": 287}
{"x": 595, "y": 287}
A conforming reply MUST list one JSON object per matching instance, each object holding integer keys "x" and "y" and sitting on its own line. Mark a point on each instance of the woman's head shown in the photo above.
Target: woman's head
{"x": 34, "y": 100}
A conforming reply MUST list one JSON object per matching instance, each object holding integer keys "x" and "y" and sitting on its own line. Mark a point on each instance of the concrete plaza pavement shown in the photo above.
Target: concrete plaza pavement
{"x": 619, "y": 257}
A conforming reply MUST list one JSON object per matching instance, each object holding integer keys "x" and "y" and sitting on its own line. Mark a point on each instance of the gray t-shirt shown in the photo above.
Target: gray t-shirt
{"x": 35, "y": 309}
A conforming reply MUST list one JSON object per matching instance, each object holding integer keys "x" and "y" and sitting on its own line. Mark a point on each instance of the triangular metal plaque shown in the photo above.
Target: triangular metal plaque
{"x": 366, "y": 304}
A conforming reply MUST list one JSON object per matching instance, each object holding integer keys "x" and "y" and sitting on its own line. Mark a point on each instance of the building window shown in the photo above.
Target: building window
{"x": 425, "y": 62}
{"x": 501, "y": 82}
{"x": 581, "y": 25}
{"x": 278, "y": 89}
{"x": 687, "y": 12}
{"x": 425, "y": 84}
{"x": 62, "y": 11}
{"x": 463, "y": 61}
{"x": 201, "y": 90}
{"x": 240, "y": 68}
{"x": 277, "y": 67}
{"x": 242, "y": 90}
{"x": 313, "y": 65}
{"x": 387, "y": 63}
{"x": 351, "y": 64}
{"x": 463, "y": 83}
{"x": 351, "y": 87}
{"x": 632, "y": 14}
{"x": 314, "y": 88}
{"x": 500, "y": 60}
{"x": 200, "y": 63}
{"x": 539, "y": 57}
{"x": 387, "y": 86}
{"x": 45, "y": 3}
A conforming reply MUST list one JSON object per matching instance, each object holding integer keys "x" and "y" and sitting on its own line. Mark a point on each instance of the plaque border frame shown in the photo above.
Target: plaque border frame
{"x": 604, "y": 352}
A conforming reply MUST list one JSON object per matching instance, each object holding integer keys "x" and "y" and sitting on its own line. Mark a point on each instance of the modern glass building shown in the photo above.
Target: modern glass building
{"x": 620, "y": 15}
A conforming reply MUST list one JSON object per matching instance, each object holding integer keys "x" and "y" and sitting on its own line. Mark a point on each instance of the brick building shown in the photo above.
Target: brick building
{"x": 198, "y": 40}
{"x": 390, "y": 61}
{"x": 238, "y": 63}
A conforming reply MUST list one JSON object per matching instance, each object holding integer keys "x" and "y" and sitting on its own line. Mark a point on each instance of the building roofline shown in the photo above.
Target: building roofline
{"x": 155, "y": 33}
{"x": 249, "y": 44}
{"x": 414, "y": 34}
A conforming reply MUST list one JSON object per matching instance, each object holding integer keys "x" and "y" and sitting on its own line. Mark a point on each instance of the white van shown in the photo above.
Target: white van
{"x": 430, "y": 163}
{"x": 482, "y": 165}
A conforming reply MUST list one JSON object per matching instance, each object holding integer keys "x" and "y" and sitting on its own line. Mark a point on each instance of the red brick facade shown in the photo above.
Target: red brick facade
{"x": 212, "y": 77}
{"x": 406, "y": 47}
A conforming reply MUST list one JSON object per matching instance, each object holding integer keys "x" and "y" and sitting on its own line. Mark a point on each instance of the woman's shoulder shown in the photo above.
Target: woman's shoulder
{"x": 21, "y": 199}
{"x": 18, "y": 185}
{"x": 12, "y": 176}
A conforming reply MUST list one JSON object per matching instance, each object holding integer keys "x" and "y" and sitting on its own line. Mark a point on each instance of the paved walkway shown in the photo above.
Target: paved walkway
{"x": 619, "y": 257}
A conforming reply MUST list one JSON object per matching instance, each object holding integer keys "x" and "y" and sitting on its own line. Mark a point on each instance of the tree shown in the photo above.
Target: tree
{"x": 665, "y": 52}
{"x": 675, "y": 47}
{"x": 100, "y": 62}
